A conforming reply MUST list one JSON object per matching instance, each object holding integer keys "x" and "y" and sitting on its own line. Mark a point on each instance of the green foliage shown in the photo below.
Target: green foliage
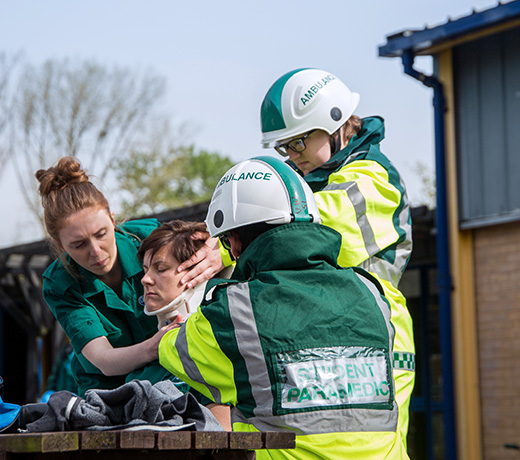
{"x": 152, "y": 182}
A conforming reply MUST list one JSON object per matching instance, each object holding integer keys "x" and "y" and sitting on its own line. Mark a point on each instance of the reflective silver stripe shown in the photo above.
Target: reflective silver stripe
{"x": 353, "y": 156}
{"x": 388, "y": 271}
{"x": 404, "y": 361}
{"x": 250, "y": 348}
{"x": 338, "y": 186}
{"x": 383, "y": 306}
{"x": 405, "y": 248}
{"x": 192, "y": 371}
{"x": 360, "y": 206}
{"x": 384, "y": 269}
{"x": 328, "y": 421}
{"x": 402, "y": 255}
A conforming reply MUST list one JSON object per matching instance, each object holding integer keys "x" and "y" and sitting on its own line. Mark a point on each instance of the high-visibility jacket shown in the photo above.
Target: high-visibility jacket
{"x": 295, "y": 343}
{"x": 362, "y": 196}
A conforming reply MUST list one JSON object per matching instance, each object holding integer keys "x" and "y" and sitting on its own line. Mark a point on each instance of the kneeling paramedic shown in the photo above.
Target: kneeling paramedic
{"x": 292, "y": 341}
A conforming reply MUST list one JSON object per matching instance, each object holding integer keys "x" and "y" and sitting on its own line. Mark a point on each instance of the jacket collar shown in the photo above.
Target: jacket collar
{"x": 373, "y": 132}
{"x": 295, "y": 246}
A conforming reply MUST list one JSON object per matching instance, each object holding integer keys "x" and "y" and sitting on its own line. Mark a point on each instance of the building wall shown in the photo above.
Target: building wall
{"x": 497, "y": 271}
{"x": 487, "y": 110}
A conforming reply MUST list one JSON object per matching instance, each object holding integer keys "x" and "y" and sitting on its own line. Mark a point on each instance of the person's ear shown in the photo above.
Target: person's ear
{"x": 112, "y": 218}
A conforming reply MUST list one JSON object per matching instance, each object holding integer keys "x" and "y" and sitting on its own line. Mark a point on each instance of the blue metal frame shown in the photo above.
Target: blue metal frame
{"x": 418, "y": 40}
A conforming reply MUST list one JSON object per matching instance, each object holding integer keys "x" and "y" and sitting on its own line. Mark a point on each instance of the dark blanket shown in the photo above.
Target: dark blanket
{"x": 134, "y": 405}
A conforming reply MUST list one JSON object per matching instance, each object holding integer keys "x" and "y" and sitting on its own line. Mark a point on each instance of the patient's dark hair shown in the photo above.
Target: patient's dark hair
{"x": 177, "y": 235}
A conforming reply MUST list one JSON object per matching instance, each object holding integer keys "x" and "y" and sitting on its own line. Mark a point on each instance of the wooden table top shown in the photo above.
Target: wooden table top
{"x": 131, "y": 444}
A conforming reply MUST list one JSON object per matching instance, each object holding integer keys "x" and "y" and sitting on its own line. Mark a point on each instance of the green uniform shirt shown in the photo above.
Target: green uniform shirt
{"x": 87, "y": 308}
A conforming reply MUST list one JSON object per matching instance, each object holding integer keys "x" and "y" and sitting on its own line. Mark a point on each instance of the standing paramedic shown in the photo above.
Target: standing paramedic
{"x": 307, "y": 116}
{"x": 292, "y": 341}
{"x": 94, "y": 287}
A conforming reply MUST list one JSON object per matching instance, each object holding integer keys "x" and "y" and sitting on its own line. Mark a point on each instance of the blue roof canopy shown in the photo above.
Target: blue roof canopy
{"x": 418, "y": 40}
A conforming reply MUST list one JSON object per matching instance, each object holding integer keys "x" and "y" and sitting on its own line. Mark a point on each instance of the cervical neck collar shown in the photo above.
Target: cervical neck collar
{"x": 167, "y": 314}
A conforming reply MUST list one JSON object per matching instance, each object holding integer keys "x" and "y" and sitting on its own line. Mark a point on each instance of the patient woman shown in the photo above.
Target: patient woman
{"x": 164, "y": 295}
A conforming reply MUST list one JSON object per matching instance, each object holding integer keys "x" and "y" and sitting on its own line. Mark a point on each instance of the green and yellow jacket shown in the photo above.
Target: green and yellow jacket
{"x": 360, "y": 194}
{"x": 295, "y": 343}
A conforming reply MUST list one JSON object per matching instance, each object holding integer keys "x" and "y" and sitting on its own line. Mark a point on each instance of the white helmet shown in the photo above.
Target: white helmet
{"x": 262, "y": 189}
{"x": 303, "y": 100}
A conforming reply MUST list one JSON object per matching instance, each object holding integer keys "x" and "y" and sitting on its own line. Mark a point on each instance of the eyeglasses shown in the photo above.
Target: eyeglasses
{"x": 296, "y": 145}
{"x": 224, "y": 240}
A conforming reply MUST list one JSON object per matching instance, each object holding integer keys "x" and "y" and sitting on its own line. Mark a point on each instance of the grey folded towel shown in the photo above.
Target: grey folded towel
{"x": 133, "y": 404}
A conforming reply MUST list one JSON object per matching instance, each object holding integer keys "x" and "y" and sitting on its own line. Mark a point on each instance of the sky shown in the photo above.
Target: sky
{"x": 220, "y": 58}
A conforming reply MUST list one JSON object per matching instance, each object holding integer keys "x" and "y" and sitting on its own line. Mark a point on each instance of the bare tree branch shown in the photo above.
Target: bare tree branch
{"x": 7, "y": 68}
{"x": 77, "y": 108}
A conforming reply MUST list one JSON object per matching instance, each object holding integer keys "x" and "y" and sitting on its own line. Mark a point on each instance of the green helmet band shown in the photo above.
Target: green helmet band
{"x": 271, "y": 111}
{"x": 297, "y": 197}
